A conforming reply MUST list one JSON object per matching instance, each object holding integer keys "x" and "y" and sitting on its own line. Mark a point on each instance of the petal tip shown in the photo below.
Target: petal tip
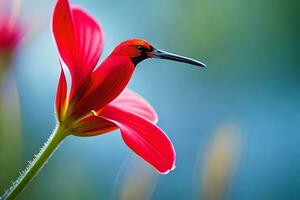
{"x": 167, "y": 171}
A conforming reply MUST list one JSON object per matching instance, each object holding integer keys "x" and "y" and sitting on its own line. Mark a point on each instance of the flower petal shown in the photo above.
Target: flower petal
{"x": 144, "y": 138}
{"x": 127, "y": 101}
{"x": 92, "y": 126}
{"x": 79, "y": 40}
{"x": 64, "y": 35}
{"x": 61, "y": 95}
{"x": 107, "y": 82}
{"x": 89, "y": 38}
{"x": 130, "y": 101}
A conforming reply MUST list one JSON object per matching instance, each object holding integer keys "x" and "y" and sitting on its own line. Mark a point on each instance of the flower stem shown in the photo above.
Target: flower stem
{"x": 37, "y": 164}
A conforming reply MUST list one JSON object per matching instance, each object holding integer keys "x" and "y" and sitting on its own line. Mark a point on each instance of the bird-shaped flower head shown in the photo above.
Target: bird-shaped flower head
{"x": 98, "y": 100}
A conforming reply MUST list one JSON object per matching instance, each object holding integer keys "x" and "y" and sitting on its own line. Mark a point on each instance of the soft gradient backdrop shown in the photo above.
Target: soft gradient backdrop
{"x": 251, "y": 49}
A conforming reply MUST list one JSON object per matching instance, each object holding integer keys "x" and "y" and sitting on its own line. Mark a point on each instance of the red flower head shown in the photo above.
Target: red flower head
{"x": 98, "y": 101}
{"x": 11, "y": 30}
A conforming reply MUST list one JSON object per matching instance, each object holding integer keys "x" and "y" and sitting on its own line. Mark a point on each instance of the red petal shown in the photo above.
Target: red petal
{"x": 61, "y": 95}
{"x": 89, "y": 40}
{"x": 144, "y": 138}
{"x": 92, "y": 126}
{"x": 107, "y": 82}
{"x": 127, "y": 101}
{"x": 63, "y": 32}
{"x": 79, "y": 41}
{"x": 130, "y": 101}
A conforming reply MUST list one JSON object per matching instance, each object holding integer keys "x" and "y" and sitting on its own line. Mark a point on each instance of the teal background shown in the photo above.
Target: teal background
{"x": 251, "y": 49}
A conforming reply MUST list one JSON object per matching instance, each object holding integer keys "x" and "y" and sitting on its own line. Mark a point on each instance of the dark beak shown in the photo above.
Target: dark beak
{"x": 156, "y": 53}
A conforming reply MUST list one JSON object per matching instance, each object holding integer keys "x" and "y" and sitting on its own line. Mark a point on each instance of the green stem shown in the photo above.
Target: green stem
{"x": 37, "y": 164}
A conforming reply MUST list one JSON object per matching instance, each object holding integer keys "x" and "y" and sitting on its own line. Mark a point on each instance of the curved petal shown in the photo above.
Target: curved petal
{"x": 92, "y": 126}
{"x": 61, "y": 95}
{"x": 62, "y": 26}
{"x": 107, "y": 82}
{"x": 89, "y": 38}
{"x": 130, "y": 101}
{"x": 79, "y": 40}
{"x": 144, "y": 138}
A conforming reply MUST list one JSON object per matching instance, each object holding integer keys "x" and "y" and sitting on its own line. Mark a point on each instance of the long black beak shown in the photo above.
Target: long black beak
{"x": 156, "y": 53}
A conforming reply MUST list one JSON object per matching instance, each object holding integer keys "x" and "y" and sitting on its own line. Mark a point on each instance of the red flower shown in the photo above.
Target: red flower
{"x": 95, "y": 104}
{"x": 98, "y": 100}
{"x": 11, "y": 30}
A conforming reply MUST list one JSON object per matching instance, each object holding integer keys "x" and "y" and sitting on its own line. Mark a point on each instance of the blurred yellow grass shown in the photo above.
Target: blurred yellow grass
{"x": 138, "y": 181}
{"x": 220, "y": 160}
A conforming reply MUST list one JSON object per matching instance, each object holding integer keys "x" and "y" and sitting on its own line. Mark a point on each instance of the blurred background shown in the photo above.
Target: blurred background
{"x": 252, "y": 80}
